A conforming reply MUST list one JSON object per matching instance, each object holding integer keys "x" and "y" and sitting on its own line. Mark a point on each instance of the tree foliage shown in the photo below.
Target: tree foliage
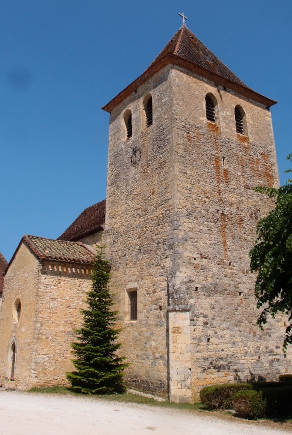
{"x": 98, "y": 368}
{"x": 271, "y": 257}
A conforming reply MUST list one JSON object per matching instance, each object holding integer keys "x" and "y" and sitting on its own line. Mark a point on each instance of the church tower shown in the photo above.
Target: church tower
{"x": 188, "y": 142}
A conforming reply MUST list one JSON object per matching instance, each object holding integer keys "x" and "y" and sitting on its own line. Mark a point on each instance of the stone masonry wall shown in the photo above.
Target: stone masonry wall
{"x": 51, "y": 297}
{"x": 21, "y": 282}
{"x": 217, "y": 211}
{"x": 62, "y": 294}
{"x": 138, "y": 229}
{"x": 93, "y": 239}
{"x": 181, "y": 218}
{"x": 180, "y": 357}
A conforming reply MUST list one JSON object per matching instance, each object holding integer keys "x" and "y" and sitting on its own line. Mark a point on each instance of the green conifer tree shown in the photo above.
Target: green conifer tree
{"x": 98, "y": 368}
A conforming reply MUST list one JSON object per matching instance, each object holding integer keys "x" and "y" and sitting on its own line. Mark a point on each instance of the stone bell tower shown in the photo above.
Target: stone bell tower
{"x": 188, "y": 142}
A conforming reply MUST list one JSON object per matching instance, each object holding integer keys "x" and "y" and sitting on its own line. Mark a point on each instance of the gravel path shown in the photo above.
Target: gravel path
{"x": 41, "y": 414}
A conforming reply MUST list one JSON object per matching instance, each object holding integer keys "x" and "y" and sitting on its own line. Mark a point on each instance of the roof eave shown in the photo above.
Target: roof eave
{"x": 76, "y": 238}
{"x": 154, "y": 68}
{"x": 178, "y": 61}
{"x": 42, "y": 258}
{"x": 66, "y": 261}
{"x": 29, "y": 245}
{"x": 72, "y": 234}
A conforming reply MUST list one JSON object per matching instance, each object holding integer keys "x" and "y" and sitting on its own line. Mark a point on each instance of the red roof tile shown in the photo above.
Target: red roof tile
{"x": 186, "y": 45}
{"x": 187, "y": 51}
{"x": 89, "y": 221}
{"x": 3, "y": 266}
{"x": 59, "y": 250}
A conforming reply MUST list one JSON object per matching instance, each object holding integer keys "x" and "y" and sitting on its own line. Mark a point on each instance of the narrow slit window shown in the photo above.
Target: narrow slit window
{"x": 13, "y": 360}
{"x": 210, "y": 109}
{"x": 133, "y": 304}
{"x": 148, "y": 111}
{"x": 17, "y": 310}
{"x": 128, "y": 123}
{"x": 239, "y": 120}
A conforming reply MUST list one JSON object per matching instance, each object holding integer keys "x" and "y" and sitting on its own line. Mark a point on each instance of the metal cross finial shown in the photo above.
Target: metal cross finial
{"x": 184, "y": 18}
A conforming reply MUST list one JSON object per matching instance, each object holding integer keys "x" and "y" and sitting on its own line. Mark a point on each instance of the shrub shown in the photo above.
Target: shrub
{"x": 286, "y": 378}
{"x": 263, "y": 385}
{"x": 249, "y": 404}
{"x": 278, "y": 401}
{"x": 272, "y": 399}
{"x": 221, "y": 396}
{"x": 262, "y": 400}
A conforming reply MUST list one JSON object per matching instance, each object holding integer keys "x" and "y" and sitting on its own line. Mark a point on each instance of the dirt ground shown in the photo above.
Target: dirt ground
{"x": 41, "y": 414}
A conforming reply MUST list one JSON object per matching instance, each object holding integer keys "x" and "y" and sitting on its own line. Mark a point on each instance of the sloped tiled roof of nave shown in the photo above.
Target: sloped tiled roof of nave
{"x": 186, "y": 45}
{"x": 90, "y": 220}
{"x": 58, "y": 250}
{"x": 3, "y": 262}
{"x": 3, "y": 266}
{"x": 187, "y": 51}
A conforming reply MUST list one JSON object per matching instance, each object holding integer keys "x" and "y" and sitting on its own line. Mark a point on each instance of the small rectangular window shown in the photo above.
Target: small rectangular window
{"x": 132, "y": 304}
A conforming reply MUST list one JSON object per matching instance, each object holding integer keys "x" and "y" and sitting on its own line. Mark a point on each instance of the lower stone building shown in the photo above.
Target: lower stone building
{"x": 188, "y": 143}
{"x": 45, "y": 287}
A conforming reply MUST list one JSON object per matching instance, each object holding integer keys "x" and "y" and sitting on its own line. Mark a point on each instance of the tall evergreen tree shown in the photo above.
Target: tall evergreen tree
{"x": 98, "y": 368}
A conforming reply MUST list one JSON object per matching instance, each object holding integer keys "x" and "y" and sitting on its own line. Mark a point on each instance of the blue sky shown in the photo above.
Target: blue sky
{"x": 61, "y": 60}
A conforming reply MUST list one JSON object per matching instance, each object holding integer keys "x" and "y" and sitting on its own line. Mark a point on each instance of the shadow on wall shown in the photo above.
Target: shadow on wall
{"x": 252, "y": 378}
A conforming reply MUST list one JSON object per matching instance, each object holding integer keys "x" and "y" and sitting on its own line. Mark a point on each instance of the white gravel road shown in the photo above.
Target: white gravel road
{"x": 41, "y": 414}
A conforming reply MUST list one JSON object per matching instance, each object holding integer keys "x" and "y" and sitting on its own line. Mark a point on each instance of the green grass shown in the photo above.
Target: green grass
{"x": 51, "y": 390}
{"x": 125, "y": 397}
{"x": 135, "y": 398}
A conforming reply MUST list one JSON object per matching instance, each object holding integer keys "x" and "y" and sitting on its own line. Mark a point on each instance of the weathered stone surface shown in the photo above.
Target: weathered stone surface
{"x": 139, "y": 231}
{"x": 180, "y": 356}
{"x": 21, "y": 282}
{"x": 51, "y": 297}
{"x": 179, "y": 226}
{"x": 93, "y": 240}
{"x": 181, "y": 215}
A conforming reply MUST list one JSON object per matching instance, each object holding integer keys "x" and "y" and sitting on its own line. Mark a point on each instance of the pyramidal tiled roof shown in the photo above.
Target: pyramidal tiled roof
{"x": 90, "y": 220}
{"x": 3, "y": 266}
{"x": 59, "y": 250}
{"x": 187, "y": 46}
{"x": 187, "y": 51}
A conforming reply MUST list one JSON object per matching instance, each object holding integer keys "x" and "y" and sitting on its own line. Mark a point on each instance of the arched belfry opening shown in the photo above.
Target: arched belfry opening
{"x": 13, "y": 360}
{"x": 240, "y": 120}
{"x": 148, "y": 110}
{"x": 128, "y": 123}
{"x": 211, "y": 104}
